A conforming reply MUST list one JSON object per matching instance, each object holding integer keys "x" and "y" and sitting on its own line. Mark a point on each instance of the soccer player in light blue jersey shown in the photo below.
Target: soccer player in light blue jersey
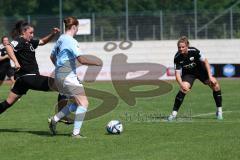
{"x": 66, "y": 56}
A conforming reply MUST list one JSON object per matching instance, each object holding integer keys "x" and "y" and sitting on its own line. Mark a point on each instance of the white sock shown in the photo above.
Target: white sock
{"x": 79, "y": 117}
{"x": 219, "y": 109}
{"x": 174, "y": 113}
{"x": 55, "y": 118}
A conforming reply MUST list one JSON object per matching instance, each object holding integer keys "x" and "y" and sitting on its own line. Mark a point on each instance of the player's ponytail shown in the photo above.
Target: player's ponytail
{"x": 69, "y": 22}
{"x": 19, "y": 28}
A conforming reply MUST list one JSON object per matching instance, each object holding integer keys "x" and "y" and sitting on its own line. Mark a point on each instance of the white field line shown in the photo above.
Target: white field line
{"x": 211, "y": 113}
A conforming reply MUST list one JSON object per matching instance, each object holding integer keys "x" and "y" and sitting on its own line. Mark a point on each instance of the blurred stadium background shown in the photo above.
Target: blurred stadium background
{"x": 131, "y": 19}
{"x": 152, "y": 26}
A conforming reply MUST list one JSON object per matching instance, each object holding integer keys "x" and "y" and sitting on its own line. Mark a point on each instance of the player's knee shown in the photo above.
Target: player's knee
{"x": 185, "y": 91}
{"x": 216, "y": 87}
{"x": 186, "y": 87}
{"x": 84, "y": 103}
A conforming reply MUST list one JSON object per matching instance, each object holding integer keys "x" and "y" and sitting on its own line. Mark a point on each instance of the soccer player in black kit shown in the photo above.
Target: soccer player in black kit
{"x": 5, "y": 66}
{"x": 190, "y": 64}
{"x": 22, "y": 52}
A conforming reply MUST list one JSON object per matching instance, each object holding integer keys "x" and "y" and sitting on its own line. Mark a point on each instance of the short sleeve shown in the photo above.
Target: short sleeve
{"x": 76, "y": 49}
{"x": 201, "y": 56}
{"x": 16, "y": 45}
{"x": 177, "y": 65}
{"x": 34, "y": 43}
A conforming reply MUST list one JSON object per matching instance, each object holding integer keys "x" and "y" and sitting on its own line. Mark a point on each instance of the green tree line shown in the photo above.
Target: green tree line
{"x": 144, "y": 17}
{"x": 51, "y": 7}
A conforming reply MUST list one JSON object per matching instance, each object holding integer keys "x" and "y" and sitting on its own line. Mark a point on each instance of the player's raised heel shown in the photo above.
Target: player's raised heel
{"x": 52, "y": 125}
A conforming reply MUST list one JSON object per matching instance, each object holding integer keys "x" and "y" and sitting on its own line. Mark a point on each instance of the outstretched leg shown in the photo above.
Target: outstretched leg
{"x": 12, "y": 98}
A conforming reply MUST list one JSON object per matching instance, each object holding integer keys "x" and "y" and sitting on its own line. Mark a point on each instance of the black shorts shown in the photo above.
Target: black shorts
{"x": 190, "y": 78}
{"x": 34, "y": 82}
{"x": 8, "y": 71}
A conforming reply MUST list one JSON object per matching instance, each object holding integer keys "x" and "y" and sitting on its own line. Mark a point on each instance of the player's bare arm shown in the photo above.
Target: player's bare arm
{"x": 12, "y": 56}
{"x": 183, "y": 87}
{"x": 85, "y": 61}
{"x": 49, "y": 37}
{"x": 212, "y": 80}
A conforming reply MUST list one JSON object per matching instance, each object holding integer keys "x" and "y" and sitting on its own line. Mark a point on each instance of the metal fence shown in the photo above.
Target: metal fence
{"x": 144, "y": 26}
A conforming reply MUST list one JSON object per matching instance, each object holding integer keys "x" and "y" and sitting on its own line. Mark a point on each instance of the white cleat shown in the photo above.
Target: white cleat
{"x": 171, "y": 118}
{"x": 219, "y": 115}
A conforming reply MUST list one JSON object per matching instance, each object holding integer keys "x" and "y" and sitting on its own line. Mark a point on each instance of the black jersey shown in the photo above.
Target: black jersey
{"x": 6, "y": 62}
{"x": 190, "y": 63}
{"x": 25, "y": 53}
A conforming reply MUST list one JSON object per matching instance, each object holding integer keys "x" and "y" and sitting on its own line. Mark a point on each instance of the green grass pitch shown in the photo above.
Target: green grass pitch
{"x": 196, "y": 135}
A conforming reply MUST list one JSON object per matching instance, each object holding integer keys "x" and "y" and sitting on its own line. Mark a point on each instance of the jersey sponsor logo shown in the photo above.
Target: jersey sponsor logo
{"x": 14, "y": 43}
{"x": 190, "y": 66}
{"x": 31, "y": 48}
{"x": 191, "y": 58}
{"x": 181, "y": 62}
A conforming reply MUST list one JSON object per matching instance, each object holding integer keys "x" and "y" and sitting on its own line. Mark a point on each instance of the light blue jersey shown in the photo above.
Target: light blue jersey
{"x": 66, "y": 50}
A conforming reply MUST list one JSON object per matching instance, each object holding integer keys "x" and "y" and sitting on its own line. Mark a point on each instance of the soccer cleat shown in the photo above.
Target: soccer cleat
{"x": 66, "y": 121}
{"x": 52, "y": 126}
{"x": 171, "y": 118}
{"x": 78, "y": 136}
{"x": 219, "y": 115}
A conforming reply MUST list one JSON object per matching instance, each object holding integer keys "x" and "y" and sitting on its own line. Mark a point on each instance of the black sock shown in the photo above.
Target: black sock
{"x": 217, "y": 95}
{"x": 4, "y": 106}
{"x": 61, "y": 97}
{"x": 62, "y": 101}
{"x": 178, "y": 100}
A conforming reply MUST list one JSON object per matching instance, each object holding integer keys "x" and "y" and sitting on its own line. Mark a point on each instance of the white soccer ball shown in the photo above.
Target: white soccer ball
{"x": 114, "y": 127}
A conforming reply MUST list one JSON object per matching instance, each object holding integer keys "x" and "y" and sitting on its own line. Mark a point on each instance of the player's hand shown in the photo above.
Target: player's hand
{"x": 184, "y": 87}
{"x": 55, "y": 30}
{"x": 17, "y": 66}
